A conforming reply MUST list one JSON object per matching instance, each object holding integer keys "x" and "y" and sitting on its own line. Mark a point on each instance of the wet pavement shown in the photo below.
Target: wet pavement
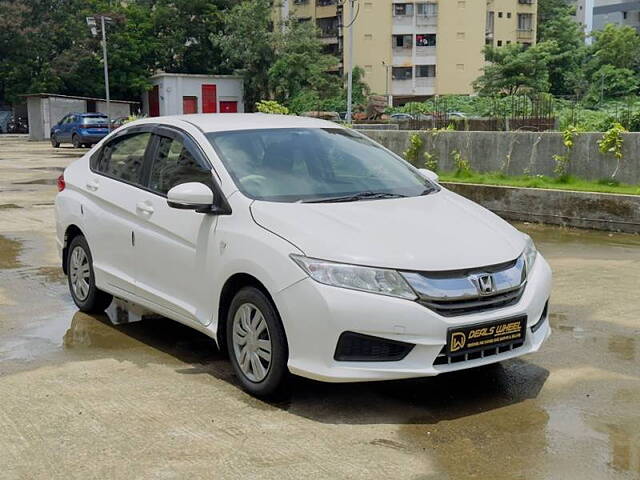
{"x": 83, "y": 398}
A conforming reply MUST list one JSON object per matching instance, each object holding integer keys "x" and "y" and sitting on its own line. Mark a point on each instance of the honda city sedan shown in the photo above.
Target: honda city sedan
{"x": 301, "y": 247}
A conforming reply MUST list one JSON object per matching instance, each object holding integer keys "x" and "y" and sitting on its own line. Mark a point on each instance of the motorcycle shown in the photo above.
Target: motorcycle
{"x": 18, "y": 125}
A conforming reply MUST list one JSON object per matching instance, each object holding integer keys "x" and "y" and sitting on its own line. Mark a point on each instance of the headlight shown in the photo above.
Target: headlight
{"x": 530, "y": 252}
{"x": 355, "y": 277}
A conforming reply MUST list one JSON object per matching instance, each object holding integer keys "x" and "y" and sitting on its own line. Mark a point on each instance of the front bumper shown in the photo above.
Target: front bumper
{"x": 315, "y": 315}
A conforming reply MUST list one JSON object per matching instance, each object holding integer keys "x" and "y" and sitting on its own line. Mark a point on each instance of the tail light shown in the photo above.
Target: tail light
{"x": 60, "y": 183}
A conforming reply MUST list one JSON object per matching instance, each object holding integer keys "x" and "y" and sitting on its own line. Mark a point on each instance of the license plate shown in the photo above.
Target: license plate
{"x": 471, "y": 338}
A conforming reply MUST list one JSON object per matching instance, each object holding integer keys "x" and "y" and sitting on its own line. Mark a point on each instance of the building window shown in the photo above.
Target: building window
{"x": 499, "y": 14}
{"x": 423, "y": 71}
{"x": 508, "y": 14}
{"x": 402, "y": 41}
{"x": 525, "y": 21}
{"x": 490, "y": 21}
{"x": 499, "y": 43}
{"x": 427, "y": 9}
{"x": 460, "y": 67}
{"x": 368, "y": 36}
{"x": 426, "y": 40}
{"x": 624, "y": 15}
{"x": 402, "y": 73}
{"x": 460, "y": 35}
{"x": 403, "y": 9}
{"x": 368, "y": 6}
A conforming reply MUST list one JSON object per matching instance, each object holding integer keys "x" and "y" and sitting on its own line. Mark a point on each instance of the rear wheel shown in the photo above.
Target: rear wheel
{"x": 81, "y": 278}
{"x": 54, "y": 142}
{"x": 75, "y": 140}
{"x": 257, "y": 344}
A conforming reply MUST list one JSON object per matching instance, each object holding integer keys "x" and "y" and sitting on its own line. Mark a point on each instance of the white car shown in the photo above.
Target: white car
{"x": 300, "y": 247}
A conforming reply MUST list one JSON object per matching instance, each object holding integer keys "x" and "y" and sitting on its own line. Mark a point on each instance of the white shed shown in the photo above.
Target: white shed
{"x": 46, "y": 109}
{"x": 178, "y": 94}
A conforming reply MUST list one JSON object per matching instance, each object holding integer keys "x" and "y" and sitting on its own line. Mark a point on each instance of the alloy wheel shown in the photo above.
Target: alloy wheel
{"x": 252, "y": 342}
{"x": 79, "y": 273}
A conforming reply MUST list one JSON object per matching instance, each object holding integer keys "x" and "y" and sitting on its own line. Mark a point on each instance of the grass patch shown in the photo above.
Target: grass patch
{"x": 541, "y": 181}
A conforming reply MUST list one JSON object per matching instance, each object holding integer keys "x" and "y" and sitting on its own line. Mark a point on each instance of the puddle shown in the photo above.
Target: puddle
{"x": 9, "y": 252}
{"x": 8, "y": 205}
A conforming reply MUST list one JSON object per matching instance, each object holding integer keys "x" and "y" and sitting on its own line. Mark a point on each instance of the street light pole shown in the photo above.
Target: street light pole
{"x": 91, "y": 22}
{"x": 106, "y": 71}
{"x": 350, "y": 73}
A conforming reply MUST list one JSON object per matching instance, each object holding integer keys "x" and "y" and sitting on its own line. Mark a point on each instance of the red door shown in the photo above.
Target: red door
{"x": 154, "y": 102}
{"x": 189, "y": 105}
{"x": 228, "y": 107}
{"x": 209, "y": 99}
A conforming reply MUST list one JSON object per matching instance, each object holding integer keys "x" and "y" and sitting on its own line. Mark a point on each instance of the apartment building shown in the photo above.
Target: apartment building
{"x": 421, "y": 48}
{"x": 595, "y": 14}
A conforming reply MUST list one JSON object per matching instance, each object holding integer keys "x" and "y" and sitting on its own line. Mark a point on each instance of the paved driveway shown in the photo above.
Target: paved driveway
{"x": 82, "y": 398}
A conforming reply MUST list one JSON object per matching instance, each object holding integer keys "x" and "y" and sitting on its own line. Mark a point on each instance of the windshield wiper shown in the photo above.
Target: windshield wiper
{"x": 355, "y": 197}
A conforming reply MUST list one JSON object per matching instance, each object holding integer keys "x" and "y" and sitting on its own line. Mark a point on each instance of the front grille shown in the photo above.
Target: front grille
{"x": 451, "y": 308}
{"x": 447, "y": 359}
{"x": 452, "y": 293}
{"x": 356, "y": 347}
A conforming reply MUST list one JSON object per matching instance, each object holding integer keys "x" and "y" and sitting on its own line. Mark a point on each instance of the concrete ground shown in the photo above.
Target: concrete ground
{"x": 82, "y": 398}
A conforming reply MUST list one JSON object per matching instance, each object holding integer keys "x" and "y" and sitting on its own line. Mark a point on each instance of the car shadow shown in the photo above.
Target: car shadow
{"x": 416, "y": 401}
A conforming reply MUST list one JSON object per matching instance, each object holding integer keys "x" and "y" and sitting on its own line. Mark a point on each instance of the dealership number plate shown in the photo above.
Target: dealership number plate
{"x": 471, "y": 338}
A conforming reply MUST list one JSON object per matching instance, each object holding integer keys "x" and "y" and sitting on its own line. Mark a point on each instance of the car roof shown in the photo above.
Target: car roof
{"x": 224, "y": 122}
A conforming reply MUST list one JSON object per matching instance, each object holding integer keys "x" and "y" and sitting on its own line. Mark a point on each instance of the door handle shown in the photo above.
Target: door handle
{"x": 92, "y": 185}
{"x": 144, "y": 207}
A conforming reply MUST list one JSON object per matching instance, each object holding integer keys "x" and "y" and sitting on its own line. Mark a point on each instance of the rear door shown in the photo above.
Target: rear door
{"x": 174, "y": 249}
{"x": 112, "y": 186}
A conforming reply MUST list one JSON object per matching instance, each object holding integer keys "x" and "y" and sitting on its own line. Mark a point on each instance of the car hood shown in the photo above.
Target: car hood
{"x": 436, "y": 232}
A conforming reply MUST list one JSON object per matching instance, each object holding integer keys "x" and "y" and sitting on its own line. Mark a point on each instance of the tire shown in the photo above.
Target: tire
{"x": 87, "y": 297}
{"x": 54, "y": 142}
{"x": 249, "y": 304}
{"x": 75, "y": 140}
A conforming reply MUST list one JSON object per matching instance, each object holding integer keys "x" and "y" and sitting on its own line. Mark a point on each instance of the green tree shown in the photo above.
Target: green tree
{"x": 277, "y": 63}
{"x": 612, "y": 82}
{"x": 564, "y": 40}
{"x": 618, "y": 46}
{"x": 299, "y": 63}
{"x": 513, "y": 69}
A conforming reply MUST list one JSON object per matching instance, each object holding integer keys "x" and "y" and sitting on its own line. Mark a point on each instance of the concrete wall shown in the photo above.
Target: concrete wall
{"x": 116, "y": 109}
{"x": 518, "y": 153}
{"x": 600, "y": 211}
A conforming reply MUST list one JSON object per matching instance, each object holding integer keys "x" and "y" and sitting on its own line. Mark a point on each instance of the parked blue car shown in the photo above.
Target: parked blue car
{"x": 80, "y": 129}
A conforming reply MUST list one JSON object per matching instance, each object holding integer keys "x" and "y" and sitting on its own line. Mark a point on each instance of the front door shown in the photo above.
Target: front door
{"x": 175, "y": 248}
{"x": 110, "y": 210}
{"x": 154, "y": 101}
{"x": 209, "y": 98}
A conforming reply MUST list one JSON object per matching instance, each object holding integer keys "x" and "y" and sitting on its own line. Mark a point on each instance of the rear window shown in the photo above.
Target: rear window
{"x": 94, "y": 120}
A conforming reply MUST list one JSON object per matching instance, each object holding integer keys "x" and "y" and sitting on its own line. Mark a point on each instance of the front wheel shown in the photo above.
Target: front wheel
{"x": 81, "y": 278}
{"x": 257, "y": 344}
{"x": 54, "y": 142}
{"x": 75, "y": 140}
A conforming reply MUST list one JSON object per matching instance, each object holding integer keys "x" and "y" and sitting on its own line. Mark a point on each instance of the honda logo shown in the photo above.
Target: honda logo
{"x": 485, "y": 284}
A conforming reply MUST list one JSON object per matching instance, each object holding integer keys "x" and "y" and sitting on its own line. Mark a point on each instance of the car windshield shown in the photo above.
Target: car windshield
{"x": 314, "y": 165}
{"x": 94, "y": 120}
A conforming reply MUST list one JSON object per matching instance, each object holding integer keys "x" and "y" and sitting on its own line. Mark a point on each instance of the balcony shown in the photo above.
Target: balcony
{"x": 427, "y": 20}
{"x": 524, "y": 34}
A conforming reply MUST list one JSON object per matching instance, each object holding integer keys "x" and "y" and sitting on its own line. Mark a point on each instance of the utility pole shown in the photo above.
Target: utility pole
{"x": 350, "y": 73}
{"x": 91, "y": 21}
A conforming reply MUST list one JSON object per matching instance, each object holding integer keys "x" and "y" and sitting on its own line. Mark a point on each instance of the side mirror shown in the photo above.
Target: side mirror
{"x": 430, "y": 175}
{"x": 191, "y": 196}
